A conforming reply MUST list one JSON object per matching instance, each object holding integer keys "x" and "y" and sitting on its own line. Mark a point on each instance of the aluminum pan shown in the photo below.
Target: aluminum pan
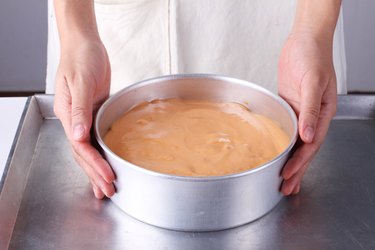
{"x": 197, "y": 203}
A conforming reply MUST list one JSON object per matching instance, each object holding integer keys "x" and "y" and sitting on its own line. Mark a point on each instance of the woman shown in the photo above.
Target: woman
{"x": 112, "y": 43}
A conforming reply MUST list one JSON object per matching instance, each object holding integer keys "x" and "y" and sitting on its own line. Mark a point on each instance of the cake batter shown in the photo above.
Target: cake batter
{"x": 195, "y": 138}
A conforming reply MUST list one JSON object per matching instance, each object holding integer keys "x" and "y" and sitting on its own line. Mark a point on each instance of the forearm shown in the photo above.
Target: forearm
{"x": 317, "y": 18}
{"x": 76, "y": 21}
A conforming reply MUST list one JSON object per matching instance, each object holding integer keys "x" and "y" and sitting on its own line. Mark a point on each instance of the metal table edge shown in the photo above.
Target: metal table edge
{"x": 14, "y": 143}
{"x": 17, "y": 169}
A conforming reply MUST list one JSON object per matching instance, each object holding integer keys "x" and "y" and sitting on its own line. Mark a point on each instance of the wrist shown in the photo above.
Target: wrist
{"x": 322, "y": 35}
{"x": 76, "y": 22}
{"x": 79, "y": 40}
{"x": 317, "y": 18}
{"x": 323, "y": 40}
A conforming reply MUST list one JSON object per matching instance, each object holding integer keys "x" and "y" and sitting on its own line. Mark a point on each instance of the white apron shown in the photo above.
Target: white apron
{"x": 148, "y": 38}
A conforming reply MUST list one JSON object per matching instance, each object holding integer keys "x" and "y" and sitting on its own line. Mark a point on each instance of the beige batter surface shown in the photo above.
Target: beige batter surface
{"x": 195, "y": 138}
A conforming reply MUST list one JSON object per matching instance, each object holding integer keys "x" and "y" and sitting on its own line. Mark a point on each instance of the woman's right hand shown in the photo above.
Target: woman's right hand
{"x": 82, "y": 85}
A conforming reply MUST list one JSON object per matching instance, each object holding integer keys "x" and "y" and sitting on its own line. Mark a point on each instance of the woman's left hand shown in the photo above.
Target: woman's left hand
{"x": 307, "y": 82}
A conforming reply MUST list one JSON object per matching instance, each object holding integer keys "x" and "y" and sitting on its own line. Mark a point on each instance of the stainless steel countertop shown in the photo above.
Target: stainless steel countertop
{"x": 57, "y": 210}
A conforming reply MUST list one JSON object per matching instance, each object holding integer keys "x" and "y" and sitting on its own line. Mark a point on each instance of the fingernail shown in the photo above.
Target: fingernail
{"x": 105, "y": 192}
{"x": 296, "y": 190}
{"x": 285, "y": 175}
{"x": 78, "y": 131}
{"x": 108, "y": 178}
{"x": 95, "y": 189}
{"x": 286, "y": 192}
{"x": 101, "y": 186}
{"x": 309, "y": 133}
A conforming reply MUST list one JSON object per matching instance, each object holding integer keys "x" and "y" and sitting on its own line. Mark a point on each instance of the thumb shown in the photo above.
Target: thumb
{"x": 311, "y": 97}
{"x": 81, "y": 113}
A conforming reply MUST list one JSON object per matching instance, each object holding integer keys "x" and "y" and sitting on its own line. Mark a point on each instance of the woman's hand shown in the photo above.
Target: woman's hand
{"x": 82, "y": 85}
{"x": 307, "y": 82}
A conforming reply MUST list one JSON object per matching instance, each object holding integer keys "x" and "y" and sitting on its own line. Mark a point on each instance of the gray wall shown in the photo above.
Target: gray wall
{"x": 359, "y": 29}
{"x": 23, "y": 45}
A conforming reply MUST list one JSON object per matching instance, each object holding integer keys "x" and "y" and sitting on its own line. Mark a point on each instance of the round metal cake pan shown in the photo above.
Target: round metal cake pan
{"x": 197, "y": 203}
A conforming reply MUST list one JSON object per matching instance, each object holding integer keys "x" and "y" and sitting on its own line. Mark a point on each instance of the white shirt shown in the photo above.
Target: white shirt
{"x": 148, "y": 38}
